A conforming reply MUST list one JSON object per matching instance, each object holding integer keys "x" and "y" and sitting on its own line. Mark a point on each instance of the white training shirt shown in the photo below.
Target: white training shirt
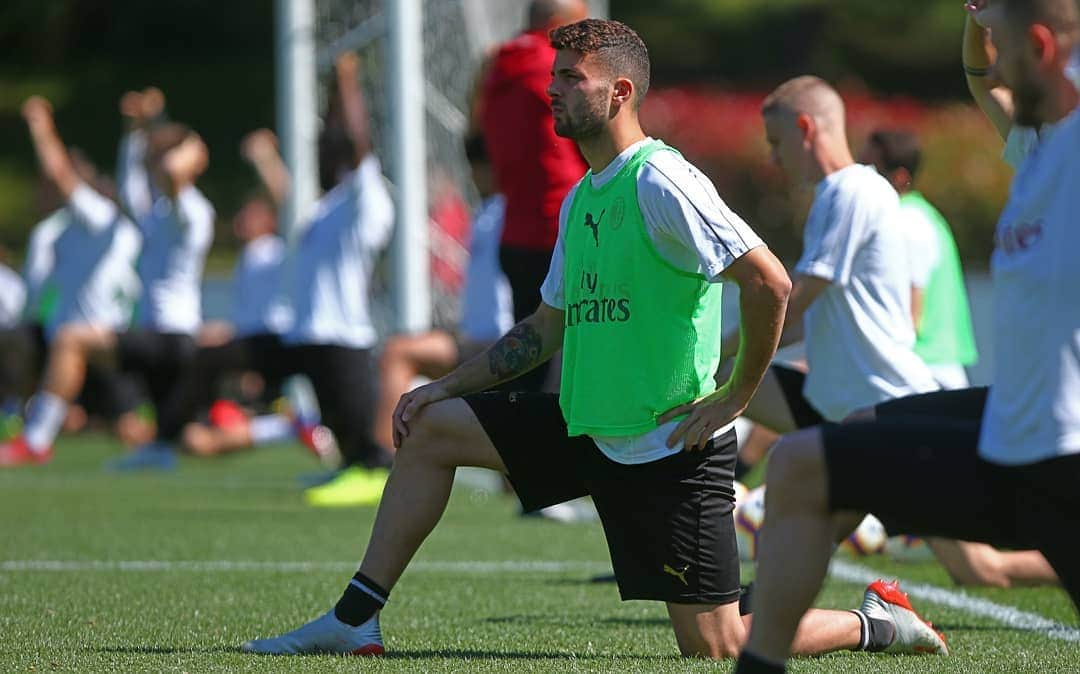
{"x": 329, "y": 271}
{"x": 40, "y": 260}
{"x": 12, "y": 298}
{"x": 1033, "y": 412}
{"x": 1022, "y": 141}
{"x": 256, "y": 298}
{"x": 94, "y": 264}
{"x": 858, "y": 332}
{"x": 692, "y": 228}
{"x": 177, "y": 234}
{"x": 487, "y": 311}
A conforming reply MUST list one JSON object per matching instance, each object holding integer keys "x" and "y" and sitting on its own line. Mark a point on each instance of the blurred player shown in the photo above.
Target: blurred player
{"x": 945, "y": 339}
{"x": 1010, "y": 481}
{"x": 534, "y": 167}
{"x": 632, "y": 298}
{"x": 176, "y": 223}
{"x": 486, "y": 307}
{"x": 330, "y": 334}
{"x": 851, "y": 300}
{"x": 259, "y": 316}
{"x": 92, "y": 280}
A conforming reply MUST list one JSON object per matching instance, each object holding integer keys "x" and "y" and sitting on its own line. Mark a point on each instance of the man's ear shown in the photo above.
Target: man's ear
{"x": 807, "y": 127}
{"x": 623, "y": 91}
{"x": 1043, "y": 43}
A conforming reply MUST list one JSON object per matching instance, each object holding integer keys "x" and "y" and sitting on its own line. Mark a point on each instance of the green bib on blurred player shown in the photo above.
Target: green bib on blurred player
{"x": 641, "y": 336}
{"x": 945, "y": 335}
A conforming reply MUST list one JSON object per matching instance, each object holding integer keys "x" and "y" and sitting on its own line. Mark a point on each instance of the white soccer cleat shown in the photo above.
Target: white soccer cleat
{"x": 885, "y": 601}
{"x": 325, "y": 634}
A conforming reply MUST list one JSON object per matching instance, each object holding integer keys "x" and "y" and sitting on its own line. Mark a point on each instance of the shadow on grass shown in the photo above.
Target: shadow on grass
{"x": 403, "y": 654}
{"x": 476, "y": 654}
{"x": 164, "y": 650}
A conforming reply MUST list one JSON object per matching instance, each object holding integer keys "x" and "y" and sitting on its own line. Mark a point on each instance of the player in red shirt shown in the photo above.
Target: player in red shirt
{"x": 534, "y": 168}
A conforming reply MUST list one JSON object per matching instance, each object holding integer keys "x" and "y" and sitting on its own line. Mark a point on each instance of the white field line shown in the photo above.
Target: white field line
{"x": 465, "y": 567}
{"x": 1006, "y": 615}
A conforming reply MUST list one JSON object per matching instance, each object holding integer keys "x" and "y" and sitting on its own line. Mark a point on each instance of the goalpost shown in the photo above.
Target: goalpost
{"x": 420, "y": 59}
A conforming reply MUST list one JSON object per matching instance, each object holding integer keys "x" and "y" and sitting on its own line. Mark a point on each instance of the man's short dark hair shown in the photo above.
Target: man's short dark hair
{"x": 898, "y": 150}
{"x": 614, "y": 44}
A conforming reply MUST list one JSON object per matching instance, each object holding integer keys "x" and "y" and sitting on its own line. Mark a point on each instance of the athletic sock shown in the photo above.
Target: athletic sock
{"x": 875, "y": 634}
{"x": 46, "y": 416}
{"x": 751, "y": 664}
{"x": 271, "y": 428}
{"x": 363, "y": 598}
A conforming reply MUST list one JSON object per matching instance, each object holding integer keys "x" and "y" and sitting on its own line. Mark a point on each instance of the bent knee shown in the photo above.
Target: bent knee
{"x": 434, "y": 435}
{"x": 711, "y": 646}
{"x": 796, "y": 470}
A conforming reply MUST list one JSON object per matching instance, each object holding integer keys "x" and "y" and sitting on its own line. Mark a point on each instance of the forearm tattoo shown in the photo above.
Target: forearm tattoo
{"x": 516, "y": 353}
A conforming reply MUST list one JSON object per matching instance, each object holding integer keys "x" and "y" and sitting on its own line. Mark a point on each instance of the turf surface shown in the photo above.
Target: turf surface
{"x": 480, "y": 599}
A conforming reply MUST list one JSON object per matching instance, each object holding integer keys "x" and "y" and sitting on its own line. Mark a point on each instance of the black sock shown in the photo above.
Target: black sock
{"x": 751, "y": 664}
{"x": 362, "y": 599}
{"x": 876, "y": 634}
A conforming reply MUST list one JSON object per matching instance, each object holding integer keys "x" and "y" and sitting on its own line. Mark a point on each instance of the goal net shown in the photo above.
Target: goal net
{"x": 456, "y": 36}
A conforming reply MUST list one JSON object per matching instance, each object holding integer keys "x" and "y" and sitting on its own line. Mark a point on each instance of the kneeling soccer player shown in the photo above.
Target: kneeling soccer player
{"x": 1011, "y": 481}
{"x": 633, "y": 299}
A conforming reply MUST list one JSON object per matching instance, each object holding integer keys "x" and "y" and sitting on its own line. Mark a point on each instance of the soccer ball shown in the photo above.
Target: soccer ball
{"x": 867, "y": 539}
{"x": 740, "y": 492}
{"x": 749, "y": 517}
{"x": 908, "y": 549}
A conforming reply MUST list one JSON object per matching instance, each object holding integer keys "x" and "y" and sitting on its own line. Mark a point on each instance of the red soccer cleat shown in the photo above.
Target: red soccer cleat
{"x": 913, "y": 634}
{"x": 15, "y": 453}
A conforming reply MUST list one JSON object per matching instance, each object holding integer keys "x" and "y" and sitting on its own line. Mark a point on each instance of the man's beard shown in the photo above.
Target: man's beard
{"x": 1028, "y": 99}
{"x": 587, "y": 123}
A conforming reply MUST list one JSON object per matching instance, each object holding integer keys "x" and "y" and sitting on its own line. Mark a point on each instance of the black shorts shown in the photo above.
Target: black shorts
{"x": 925, "y": 478}
{"x": 791, "y": 383}
{"x": 668, "y": 523}
{"x": 109, "y": 394}
{"x": 965, "y": 404}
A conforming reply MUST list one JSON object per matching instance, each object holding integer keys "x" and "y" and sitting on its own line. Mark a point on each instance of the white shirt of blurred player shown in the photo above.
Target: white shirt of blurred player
{"x": 330, "y": 269}
{"x": 1022, "y": 141}
{"x": 256, "y": 298}
{"x": 12, "y": 297}
{"x": 858, "y": 332}
{"x": 692, "y": 228}
{"x": 40, "y": 259}
{"x": 177, "y": 234}
{"x": 1033, "y": 412}
{"x": 487, "y": 311}
{"x": 94, "y": 264}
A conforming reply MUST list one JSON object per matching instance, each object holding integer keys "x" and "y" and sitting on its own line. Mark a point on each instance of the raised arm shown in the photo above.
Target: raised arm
{"x": 357, "y": 122}
{"x": 185, "y": 163}
{"x": 528, "y": 344}
{"x": 139, "y": 110}
{"x": 979, "y": 56}
{"x": 260, "y": 149}
{"x": 55, "y": 162}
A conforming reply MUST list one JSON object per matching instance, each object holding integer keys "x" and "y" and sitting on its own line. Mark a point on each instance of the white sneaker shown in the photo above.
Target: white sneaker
{"x": 885, "y": 601}
{"x": 325, "y": 634}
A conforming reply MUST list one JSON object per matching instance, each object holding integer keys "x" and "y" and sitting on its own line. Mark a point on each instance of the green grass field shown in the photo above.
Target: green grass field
{"x": 222, "y": 551}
